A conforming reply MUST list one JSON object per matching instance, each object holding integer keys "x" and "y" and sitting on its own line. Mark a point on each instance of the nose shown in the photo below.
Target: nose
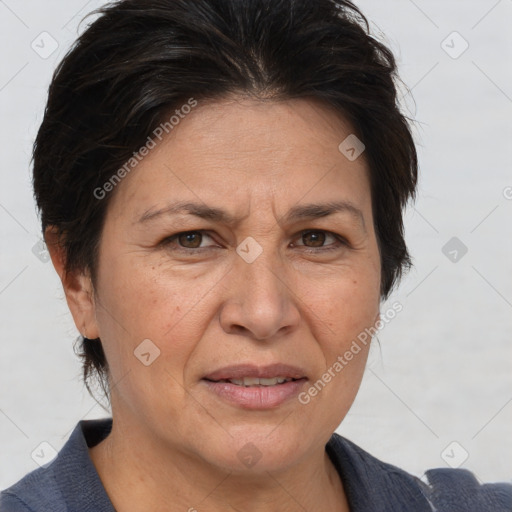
{"x": 260, "y": 301}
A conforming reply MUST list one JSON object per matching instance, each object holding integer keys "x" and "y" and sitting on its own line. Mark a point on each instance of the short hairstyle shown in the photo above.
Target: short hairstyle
{"x": 140, "y": 60}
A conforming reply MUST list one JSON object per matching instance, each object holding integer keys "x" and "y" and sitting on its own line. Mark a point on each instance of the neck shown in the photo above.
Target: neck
{"x": 138, "y": 473}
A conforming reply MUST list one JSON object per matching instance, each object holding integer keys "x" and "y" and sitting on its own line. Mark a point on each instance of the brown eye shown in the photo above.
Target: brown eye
{"x": 314, "y": 238}
{"x": 319, "y": 241}
{"x": 190, "y": 240}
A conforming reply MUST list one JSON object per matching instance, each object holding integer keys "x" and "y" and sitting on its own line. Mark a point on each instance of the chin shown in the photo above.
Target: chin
{"x": 253, "y": 449}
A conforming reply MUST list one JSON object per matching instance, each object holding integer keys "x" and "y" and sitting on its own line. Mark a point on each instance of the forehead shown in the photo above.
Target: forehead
{"x": 238, "y": 128}
{"x": 242, "y": 151}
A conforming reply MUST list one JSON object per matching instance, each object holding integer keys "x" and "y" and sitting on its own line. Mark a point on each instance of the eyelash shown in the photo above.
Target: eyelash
{"x": 340, "y": 242}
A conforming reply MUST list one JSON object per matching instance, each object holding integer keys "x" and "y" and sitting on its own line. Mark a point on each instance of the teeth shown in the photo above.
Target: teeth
{"x": 255, "y": 381}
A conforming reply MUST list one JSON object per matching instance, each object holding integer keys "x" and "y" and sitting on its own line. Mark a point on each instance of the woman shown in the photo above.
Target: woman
{"x": 221, "y": 185}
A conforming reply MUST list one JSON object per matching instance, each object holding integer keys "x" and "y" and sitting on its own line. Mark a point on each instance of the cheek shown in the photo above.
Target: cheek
{"x": 148, "y": 299}
{"x": 140, "y": 301}
{"x": 341, "y": 310}
{"x": 340, "y": 313}
{"x": 343, "y": 304}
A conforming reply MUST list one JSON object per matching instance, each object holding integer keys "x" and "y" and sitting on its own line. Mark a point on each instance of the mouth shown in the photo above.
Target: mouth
{"x": 253, "y": 387}
{"x": 259, "y": 374}
{"x": 255, "y": 381}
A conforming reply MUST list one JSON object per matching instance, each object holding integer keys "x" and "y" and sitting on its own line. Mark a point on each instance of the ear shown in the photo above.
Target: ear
{"x": 77, "y": 286}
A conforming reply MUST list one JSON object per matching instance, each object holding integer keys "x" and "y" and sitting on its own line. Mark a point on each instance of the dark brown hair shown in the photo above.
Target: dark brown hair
{"x": 142, "y": 59}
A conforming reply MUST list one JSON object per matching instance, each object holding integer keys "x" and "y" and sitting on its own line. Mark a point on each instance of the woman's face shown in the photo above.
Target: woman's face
{"x": 261, "y": 277}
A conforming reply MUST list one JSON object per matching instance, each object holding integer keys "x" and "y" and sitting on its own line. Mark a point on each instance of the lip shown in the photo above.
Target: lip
{"x": 256, "y": 397}
{"x": 263, "y": 372}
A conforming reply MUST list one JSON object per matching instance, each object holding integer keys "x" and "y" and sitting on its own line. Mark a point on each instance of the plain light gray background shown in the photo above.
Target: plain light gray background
{"x": 442, "y": 370}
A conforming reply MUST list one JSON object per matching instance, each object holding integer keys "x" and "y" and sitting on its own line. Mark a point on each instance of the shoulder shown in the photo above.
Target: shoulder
{"x": 391, "y": 488}
{"x": 37, "y": 488}
{"x": 458, "y": 489}
{"x": 68, "y": 483}
{"x": 10, "y": 503}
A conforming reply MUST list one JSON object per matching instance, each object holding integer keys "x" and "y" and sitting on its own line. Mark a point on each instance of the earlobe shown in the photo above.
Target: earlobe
{"x": 77, "y": 285}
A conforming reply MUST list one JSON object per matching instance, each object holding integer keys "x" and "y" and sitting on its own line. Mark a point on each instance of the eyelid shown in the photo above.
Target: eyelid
{"x": 337, "y": 238}
{"x": 172, "y": 238}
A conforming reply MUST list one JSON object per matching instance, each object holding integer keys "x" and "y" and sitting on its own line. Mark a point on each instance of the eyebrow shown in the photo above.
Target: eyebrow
{"x": 296, "y": 213}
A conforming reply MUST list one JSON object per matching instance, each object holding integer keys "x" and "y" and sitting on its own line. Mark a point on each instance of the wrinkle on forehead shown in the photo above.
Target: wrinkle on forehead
{"x": 256, "y": 157}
